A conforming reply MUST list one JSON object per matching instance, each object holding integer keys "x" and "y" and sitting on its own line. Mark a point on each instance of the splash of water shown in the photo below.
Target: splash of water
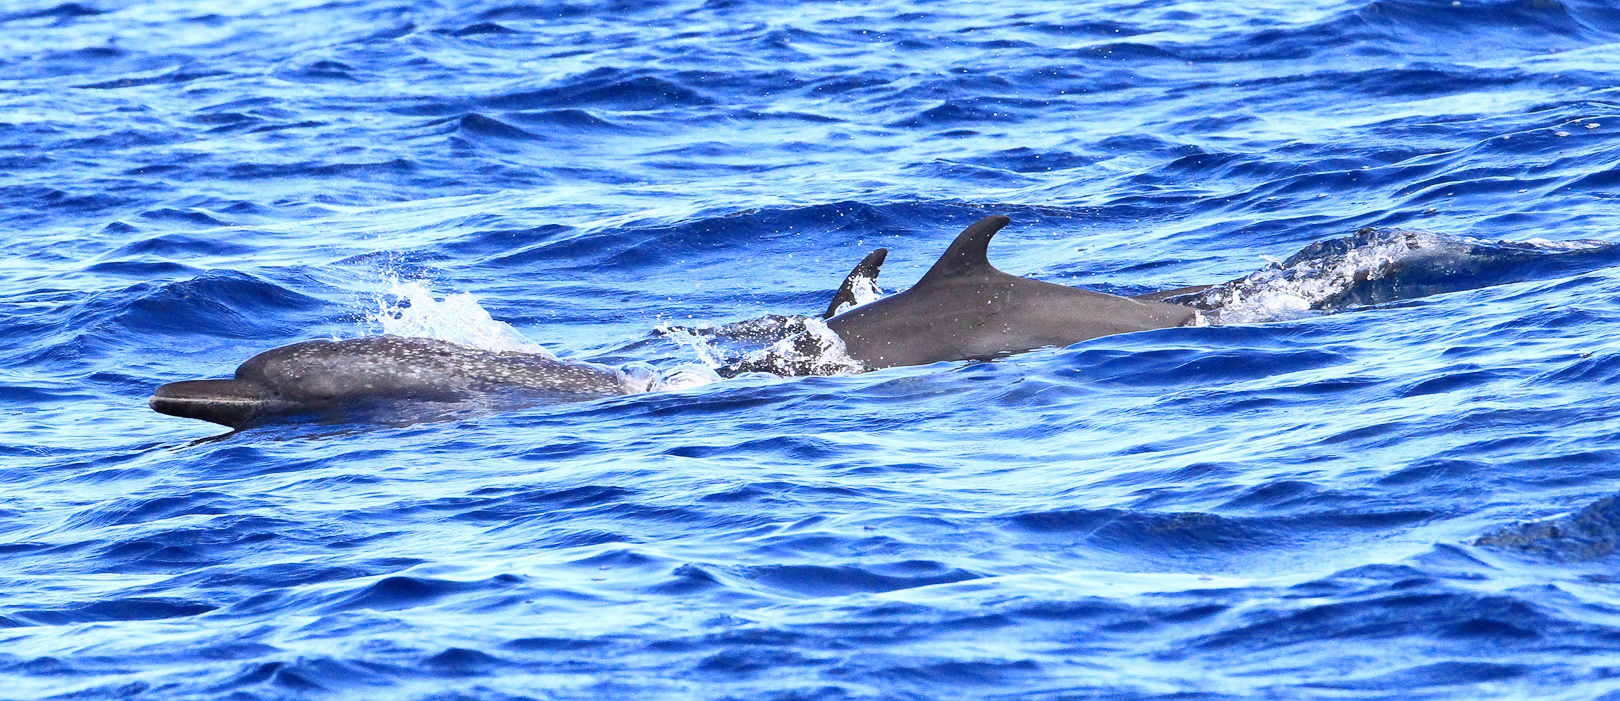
{"x": 1374, "y": 266}
{"x": 409, "y": 308}
{"x": 1302, "y": 285}
{"x": 866, "y": 291}
{"x": 701, "y": 343}
{"x": 817, "y": 350}
{"x": 780, "y": 345}
{"x": 637, "y": 378}
{"x": 777, "y": 344}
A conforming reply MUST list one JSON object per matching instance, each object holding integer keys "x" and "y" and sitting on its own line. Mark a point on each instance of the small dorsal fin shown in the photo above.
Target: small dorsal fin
{"x": 968, "y": 254}
{"x": 868, "y": 268}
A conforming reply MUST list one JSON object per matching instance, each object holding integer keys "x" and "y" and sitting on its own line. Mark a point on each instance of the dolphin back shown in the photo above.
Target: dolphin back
{"x": 324, "y": 377}
{"x": 964, "y": 308}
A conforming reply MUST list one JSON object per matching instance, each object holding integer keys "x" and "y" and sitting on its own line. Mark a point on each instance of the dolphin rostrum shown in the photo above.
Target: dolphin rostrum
{"x": 964, "y": 308}
{"x": 328, "y": 377}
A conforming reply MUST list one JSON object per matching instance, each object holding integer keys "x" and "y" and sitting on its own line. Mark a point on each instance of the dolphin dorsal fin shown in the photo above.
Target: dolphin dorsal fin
{"x": 868, "y": 268}
{"x": 969, "y": 253}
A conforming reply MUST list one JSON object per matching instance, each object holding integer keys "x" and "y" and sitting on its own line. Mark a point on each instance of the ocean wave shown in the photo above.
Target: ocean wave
{"x": 1386, "y": 472}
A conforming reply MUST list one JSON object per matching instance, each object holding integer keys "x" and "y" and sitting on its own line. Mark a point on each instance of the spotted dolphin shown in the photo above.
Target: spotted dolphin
{"x": 963, "y": 308}
{"x": 332, "y": 377}
{"x": 362, "y": 375}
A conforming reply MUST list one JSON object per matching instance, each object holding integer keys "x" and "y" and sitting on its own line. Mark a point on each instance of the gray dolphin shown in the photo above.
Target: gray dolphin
{"x": 866, "y": 270}
{"x": 964, "y": 308}
{"x": 327, "y": 377}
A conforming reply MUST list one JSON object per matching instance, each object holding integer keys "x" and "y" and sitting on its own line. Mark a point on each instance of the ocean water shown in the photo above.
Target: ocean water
{"x": 1409, "y": 497}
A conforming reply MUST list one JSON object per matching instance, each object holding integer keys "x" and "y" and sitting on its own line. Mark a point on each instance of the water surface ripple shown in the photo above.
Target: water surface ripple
{"x": 1328, "y": 507}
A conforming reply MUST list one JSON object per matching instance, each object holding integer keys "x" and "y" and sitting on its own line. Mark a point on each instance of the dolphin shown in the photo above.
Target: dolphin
{"x": 865, "y": 272}
{"x": 963, "y": 308}
{"x": 333, "y": 377}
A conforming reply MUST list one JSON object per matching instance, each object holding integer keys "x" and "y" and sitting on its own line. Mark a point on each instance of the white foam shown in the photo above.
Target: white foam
{"x": 816, "y": 350}
{"x": 1575, "y": 245}
{"x": 824, "y": 354}
{"x": 637, "y": 377}
{"x": 866, "y": 292}
{"x": 699, "y": 344}
{"x": 1278, "y": 292}
{"x": 643, "y": 377}
{"x": 684, "y": 376}
{"x": 408, "y": 308}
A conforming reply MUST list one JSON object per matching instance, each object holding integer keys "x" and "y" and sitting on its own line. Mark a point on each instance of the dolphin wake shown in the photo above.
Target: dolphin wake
{"x": 1378, "y": 266}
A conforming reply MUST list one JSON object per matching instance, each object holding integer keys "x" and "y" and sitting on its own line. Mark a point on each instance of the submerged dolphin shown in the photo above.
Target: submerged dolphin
{"x": 326, "y": 377}
{"x": 964, "y": 308}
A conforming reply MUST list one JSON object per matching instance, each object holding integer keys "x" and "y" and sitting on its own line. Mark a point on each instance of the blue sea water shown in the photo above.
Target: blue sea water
{"x": 1315, "y": 506}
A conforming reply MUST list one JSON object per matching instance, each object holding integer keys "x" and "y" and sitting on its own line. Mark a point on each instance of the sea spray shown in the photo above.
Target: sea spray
{"x": 409, "y": 308}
